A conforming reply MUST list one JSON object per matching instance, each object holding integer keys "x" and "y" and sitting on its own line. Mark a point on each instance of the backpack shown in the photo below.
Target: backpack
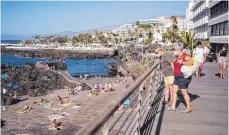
{"x": 188, "y": 71}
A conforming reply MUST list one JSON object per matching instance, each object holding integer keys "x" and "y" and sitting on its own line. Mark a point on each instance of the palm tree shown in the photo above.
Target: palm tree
{"x": 174, "y": 19}
{"x": 172, "y": 32}
{"x": 96, "y": 35}
{"x": 145, "y": 27}
{"x": 189, "y": 39}
{"x": 75, "y": 40}
{"x": 116, "y": 40}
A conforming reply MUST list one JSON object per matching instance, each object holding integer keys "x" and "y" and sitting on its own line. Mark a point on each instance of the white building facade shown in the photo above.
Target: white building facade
{"x": 189, "y": 23}
{"x": 123, "y": 30}
{"x": 199, "y": 17}
{"x": 181, "y": 24}
{"x": 166, "y": 23}
{"x": 218, "y": 24}
{"x": 157, "y": 26}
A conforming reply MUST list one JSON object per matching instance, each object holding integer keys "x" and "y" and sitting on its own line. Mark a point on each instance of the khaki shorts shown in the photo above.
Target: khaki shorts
{"x": 168, "y": 80}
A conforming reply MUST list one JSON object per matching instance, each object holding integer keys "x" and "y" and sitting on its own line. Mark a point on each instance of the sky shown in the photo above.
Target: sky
{"x": 31, "y": 18}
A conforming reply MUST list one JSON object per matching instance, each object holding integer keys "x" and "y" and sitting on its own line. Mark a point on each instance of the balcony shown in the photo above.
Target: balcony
{"x": 196, "y": 4}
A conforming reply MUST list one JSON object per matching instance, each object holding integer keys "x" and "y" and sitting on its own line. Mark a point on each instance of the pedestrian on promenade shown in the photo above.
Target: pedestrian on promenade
{"x": 198, "y": 54}
{"x": 206, "y": 52}
{"x": 179, "y": 81}
{"x": 223, "y": 59}
{"x": 167, "y": 68}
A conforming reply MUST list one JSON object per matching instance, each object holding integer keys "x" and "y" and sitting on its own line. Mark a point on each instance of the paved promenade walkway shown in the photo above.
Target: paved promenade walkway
{"x": 209, "y": 99}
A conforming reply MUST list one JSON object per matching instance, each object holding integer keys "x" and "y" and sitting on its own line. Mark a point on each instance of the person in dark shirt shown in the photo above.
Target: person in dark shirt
{"x": 223, "y": 59}
{"x": 167, "y": 68}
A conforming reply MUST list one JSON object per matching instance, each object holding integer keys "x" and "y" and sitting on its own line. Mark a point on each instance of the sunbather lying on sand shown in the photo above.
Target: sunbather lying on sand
{"x": 63, "y": 100}
{"x": 57, "y": 124}
{"x": 26, "y": 109}
{"x": 43, "y": 101}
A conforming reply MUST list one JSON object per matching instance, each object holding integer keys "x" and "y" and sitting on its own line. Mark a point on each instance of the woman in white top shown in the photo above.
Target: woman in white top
{"x": 198, "y": 54}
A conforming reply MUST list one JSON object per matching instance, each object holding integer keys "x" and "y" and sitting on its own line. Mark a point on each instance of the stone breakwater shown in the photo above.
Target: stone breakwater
{"x": 61, "y": 53}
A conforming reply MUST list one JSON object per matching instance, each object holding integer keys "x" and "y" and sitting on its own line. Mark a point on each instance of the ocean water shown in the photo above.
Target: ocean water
{"x": 75, "y": 67}
{"x": 11, "y": 41}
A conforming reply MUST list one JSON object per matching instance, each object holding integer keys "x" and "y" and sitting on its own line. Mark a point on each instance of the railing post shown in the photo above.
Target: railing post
{"x": 107, "y": 125}
{"x": 139, "y": 110}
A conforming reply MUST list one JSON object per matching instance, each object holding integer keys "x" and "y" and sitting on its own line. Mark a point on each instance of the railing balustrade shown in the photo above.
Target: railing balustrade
{"x": 129, "y": 121}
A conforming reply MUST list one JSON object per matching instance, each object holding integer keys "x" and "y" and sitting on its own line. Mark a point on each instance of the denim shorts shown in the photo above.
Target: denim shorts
{"x": 182, "y": 82}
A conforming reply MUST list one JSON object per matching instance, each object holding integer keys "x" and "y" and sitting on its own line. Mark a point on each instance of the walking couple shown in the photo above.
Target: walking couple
{"x": 174, "y": 80}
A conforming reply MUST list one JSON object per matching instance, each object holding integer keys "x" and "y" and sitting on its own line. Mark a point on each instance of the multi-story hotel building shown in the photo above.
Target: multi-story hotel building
{"x": 200, "y": 16}
{"x": 123, "y": 30}
{"x": 181, "y": 24}
{"x": 157, "y": 26}
{"x": 189, "y": 23}
{"x": 161, "y": 24}
{"x": 218, "y": 24}
{"x": 166, "y": 23}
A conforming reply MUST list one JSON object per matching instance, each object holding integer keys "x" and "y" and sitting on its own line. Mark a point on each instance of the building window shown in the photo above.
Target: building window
{"x": 225, "y": 29}
{"x": 219, "y": 29}
{"x": 219, "y": 9}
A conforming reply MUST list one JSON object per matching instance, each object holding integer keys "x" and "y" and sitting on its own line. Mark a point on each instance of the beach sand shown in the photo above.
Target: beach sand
{"x": 37, "y": 122}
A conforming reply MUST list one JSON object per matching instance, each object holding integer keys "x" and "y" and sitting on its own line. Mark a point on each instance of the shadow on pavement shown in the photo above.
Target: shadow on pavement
{"x": 181, "y": 98}
{"x": 150, "y": 118}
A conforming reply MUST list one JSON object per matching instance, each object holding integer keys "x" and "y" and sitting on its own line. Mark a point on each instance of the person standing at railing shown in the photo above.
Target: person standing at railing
{"x": 167, "y": 68}
{"x": 180, "y": 82}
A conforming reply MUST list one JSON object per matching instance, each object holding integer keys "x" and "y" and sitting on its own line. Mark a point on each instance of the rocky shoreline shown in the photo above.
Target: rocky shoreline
{"x": 61, "y": 53}
{"x": 34, "y": 80}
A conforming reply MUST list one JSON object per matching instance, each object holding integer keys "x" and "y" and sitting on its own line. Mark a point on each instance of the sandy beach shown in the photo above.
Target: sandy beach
{"x": 37, "y": 122}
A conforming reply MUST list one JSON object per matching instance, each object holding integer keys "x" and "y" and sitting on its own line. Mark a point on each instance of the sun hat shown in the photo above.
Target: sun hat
{"x": 178, "y": 46}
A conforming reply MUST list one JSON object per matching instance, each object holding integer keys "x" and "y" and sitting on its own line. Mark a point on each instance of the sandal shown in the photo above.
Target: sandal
{"x": 170, "y": 103}
{"x": 187, "y": 111}
{"x": 164, "y": 102}
{"x": 170, "y": 109}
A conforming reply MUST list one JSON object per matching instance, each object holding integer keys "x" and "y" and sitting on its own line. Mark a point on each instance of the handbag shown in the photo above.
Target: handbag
{"x": 188, "y": 71}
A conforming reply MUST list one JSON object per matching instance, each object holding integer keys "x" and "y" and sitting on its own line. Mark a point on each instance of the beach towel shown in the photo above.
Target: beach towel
{"x": 76, "y": 107}
{"x": 45, "y": 106}
{"x": 66, "y": 104}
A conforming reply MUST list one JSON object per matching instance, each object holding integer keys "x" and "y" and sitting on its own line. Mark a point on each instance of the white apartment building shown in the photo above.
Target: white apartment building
{"x": 189, "y": 23}
{"x": 166, "y": 23}
{"x": 218, "y": 24}
{"x": 124, "y": 29}
{"x": 181, "y": 24}
{"x": 157, "y": 26}
{"x": 200, "y": 17}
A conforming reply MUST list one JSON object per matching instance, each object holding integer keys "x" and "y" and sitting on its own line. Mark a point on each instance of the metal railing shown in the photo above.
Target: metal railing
{"x": 129, "y": 121}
